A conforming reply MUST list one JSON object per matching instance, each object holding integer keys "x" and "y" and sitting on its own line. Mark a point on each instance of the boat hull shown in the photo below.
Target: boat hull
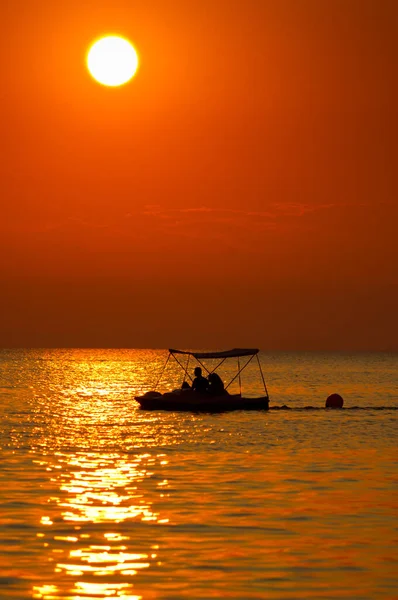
{"x": 194, "y": 402}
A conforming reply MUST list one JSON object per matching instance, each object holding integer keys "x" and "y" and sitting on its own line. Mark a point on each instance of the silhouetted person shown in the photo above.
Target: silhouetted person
{"x": 200, "y": 383}
{"x": 216, "y": 385}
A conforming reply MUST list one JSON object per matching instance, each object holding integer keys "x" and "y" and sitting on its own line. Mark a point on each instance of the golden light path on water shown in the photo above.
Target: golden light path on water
{"x": 104, "y": 491}
{"x": 100, "y": 497}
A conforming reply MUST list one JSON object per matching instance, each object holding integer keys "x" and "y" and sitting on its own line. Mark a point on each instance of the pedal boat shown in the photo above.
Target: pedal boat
{"x": 191, "y": 401}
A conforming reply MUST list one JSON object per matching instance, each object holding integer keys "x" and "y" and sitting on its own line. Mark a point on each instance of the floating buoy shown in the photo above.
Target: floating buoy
{"x": 334, "y": 401}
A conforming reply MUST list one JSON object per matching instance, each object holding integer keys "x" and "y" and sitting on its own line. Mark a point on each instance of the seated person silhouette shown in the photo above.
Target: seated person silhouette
{"x": 185, "y": 385}
{"x": 200, "y": 383}
{"x": 216, "y": 385}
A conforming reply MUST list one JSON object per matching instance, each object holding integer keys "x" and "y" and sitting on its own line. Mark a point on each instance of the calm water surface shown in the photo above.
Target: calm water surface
{"x": 101, "y": 500}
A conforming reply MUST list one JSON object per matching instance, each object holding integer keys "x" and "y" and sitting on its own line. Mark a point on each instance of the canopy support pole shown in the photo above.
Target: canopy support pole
{"x": 262, "y": 376}
{"x": 181, "y": 365}
{"x": 161, "y": 374}
{"x": 218, "y": 366}
{"x": 240, "y": 371}
{"x": 186, "y": 368}
{"x": 202, "y": 365}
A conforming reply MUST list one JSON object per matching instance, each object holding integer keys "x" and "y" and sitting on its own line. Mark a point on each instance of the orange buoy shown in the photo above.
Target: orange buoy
{"x": 334, "y": 401}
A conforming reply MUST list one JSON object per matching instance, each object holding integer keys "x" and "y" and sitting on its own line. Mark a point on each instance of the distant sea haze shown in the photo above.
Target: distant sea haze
{"x": 112, "y": 501}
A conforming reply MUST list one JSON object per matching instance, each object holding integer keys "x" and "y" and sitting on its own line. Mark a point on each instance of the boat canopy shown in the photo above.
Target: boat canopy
{"x": 222, "y": 356}
{"x": 234, "y": 353}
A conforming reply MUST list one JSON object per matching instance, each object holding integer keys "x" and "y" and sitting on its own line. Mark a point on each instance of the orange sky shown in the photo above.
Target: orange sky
{"x": 240, "y": 191}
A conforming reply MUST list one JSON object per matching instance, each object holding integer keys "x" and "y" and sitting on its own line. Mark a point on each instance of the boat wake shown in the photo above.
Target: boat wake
{"x": 302, "y": 408}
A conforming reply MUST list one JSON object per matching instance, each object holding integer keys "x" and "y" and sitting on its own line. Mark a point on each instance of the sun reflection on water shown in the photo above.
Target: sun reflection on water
{"x": 86, "y": 590}
{"x": 102, "y": 500}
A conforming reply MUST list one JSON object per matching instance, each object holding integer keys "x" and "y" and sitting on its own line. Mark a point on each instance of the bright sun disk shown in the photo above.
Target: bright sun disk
{"x": 112, "y": 60}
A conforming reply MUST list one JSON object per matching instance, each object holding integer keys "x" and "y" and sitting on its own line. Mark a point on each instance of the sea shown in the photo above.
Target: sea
{"x": 102, "y": 500}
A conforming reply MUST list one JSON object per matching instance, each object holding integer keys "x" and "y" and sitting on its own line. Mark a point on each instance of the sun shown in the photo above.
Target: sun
{"x": 112, "y": 60}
